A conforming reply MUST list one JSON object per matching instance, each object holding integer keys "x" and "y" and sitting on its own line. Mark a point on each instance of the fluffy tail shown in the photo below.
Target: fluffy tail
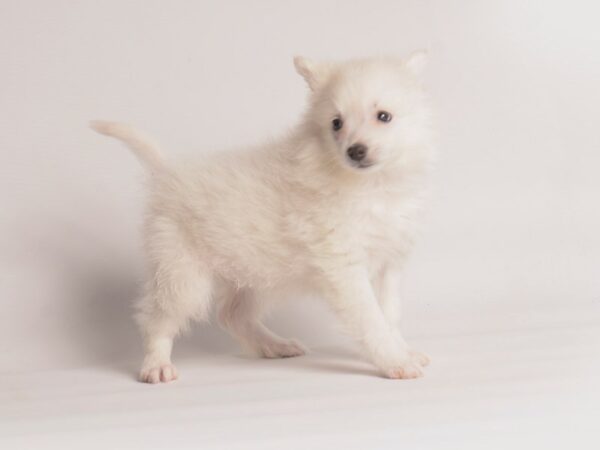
{"x": 143, "y": 147}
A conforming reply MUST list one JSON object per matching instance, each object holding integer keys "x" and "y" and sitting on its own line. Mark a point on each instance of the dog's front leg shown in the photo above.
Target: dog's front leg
{"x": 387, "y": 290}
{"x": 352, "y": 297}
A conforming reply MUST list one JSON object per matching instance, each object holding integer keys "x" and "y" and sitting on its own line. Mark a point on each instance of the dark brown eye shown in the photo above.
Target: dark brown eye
{"x": 384, "y": 116}
{"x": 337, "y": 124}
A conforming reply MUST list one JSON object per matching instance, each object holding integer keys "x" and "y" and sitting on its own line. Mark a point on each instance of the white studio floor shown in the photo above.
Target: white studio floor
{"x": 534, "y": 388}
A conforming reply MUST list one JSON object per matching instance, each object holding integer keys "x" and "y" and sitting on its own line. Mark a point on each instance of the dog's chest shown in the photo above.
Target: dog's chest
{"x": 370, "y": 226}
{"x": 383, "y": 227}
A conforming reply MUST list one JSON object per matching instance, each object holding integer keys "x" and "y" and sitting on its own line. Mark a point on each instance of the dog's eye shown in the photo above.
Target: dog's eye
{"x": 337, "y": 124}
{"x": 384, "y": 116}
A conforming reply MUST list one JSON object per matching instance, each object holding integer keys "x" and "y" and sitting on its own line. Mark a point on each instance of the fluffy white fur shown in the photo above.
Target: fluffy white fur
{"x": 297, "y": 212}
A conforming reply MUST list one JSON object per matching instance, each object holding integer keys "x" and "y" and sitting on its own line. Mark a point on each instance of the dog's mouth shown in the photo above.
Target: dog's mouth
{"x": 360, "y": 165}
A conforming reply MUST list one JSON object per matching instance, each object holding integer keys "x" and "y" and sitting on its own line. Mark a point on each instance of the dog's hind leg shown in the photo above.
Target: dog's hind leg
{"x": 178, "y": 290}
{"x": 240, "y": 314}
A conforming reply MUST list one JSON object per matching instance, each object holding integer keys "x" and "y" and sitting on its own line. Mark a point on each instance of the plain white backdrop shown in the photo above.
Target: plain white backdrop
{"x": 512, "y": 238}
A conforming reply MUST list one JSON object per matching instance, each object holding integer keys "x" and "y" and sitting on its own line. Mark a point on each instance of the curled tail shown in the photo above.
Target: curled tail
{"x": 145, "y": 148}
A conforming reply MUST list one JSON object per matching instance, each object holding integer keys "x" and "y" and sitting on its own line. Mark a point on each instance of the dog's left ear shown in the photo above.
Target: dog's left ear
{"x": 314, "y": 73}
{"x": 417, "y": 61}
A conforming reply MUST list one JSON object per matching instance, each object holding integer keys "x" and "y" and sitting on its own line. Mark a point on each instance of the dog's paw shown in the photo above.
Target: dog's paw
{"x": 420, "y": 358}
{"x": 404, "y": 371}
{"x": 281, "y": 349}
{"x": 158, "y": 373}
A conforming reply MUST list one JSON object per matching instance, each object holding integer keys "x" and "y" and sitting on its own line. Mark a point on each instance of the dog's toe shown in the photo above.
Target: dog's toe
{"x": 405, "y": 371}
{"x": 421, "y": 358}
{"x": 282, "y": 349}
{"x": 158, "y": 374}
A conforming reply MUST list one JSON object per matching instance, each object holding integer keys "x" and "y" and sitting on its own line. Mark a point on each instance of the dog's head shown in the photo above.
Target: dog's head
{"x": 370, "y": 113}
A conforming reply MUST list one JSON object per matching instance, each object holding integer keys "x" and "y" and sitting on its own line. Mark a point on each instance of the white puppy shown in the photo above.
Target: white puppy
{"x": 332, "y": 205}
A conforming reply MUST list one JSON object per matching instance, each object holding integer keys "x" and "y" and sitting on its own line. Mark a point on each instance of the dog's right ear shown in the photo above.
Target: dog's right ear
{"x": 314, "y": 73}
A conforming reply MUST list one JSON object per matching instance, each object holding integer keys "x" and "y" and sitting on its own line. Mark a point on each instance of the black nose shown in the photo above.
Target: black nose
{"x": 357, "y": 152}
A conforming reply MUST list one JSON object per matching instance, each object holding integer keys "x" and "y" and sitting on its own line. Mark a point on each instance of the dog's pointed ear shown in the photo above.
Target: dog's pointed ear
{"x": 314, "y": 73}
{"x": 417, "y": 61}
